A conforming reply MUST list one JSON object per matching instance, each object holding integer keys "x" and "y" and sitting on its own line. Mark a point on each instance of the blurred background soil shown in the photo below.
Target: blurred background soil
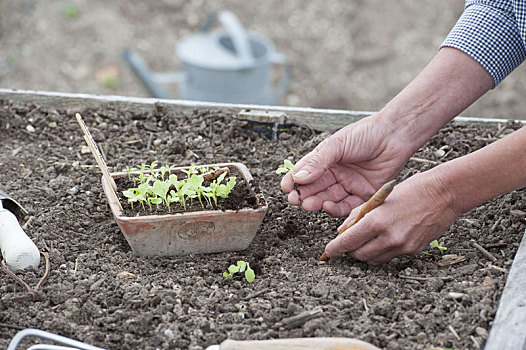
{"x": 346, "y": 54}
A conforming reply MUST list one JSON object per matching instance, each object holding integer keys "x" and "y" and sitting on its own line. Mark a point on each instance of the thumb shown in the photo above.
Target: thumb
{"x": 315, "y": 163}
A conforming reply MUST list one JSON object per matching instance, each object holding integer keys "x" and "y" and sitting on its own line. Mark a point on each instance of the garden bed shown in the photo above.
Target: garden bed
{"x": 99, "y": 292}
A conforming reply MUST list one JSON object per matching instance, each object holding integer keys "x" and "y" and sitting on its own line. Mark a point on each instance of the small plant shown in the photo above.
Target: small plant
{"x": 129, "y": 170}
{"x": 111, "y": 81}
{"x": 287, "y": 167}
{"x": 242, "y": 266}
{"x": 71, "y": 11}
{"x": 436, "y": 244}
{"x": 217, "y": 189}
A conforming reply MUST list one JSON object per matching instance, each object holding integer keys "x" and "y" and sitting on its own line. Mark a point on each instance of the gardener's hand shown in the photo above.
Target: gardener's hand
{"x": 418, "y": 211}
{"x": 347, "y": 168}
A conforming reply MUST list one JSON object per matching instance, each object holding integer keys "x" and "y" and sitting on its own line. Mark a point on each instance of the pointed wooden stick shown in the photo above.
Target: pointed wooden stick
{"x": 373, "y": 202}
{"x": 96, "y": 154}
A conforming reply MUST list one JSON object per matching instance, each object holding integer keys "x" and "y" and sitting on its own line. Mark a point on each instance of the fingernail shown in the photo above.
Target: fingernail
{"x": 301, "y": 174}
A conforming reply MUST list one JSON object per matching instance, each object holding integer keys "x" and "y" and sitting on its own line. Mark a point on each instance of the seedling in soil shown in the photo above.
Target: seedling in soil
{"x": 111, "y": 81}
{"x": 287, "y": 167}
{"x": 161, "y": 188}
{"x": 440, "y": 247}
{"x": 129, "y": 171}
{"x": 71, "y": 11}
{"x": 242, "y": 266}
{"x": 217, "y": 189}
{"x": 157, "y": 187}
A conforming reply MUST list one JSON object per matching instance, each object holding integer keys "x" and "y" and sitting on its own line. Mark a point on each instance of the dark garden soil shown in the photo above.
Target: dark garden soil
{"x": 99, "y": 292}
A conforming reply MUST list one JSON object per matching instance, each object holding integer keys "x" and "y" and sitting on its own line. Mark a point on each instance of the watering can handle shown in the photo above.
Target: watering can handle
{"x": 283, "y": 83}
{"x": 237, "y": 33}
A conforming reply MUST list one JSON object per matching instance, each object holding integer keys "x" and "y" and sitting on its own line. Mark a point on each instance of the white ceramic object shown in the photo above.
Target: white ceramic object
{"x": 18, "y": 249}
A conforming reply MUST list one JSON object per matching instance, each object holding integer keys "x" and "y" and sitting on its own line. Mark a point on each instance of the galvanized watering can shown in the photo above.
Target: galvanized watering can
{"x": 230, "y": 65}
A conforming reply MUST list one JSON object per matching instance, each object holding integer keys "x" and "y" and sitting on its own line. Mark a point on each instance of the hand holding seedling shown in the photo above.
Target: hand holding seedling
{"x": 346, "y": 169}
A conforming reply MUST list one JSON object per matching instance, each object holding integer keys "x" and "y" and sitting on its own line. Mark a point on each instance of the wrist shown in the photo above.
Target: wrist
{"x": 448, "y": 85}
{"x": 496, "y": 169}
{"x": 411, "y": 124}
{"x": 446, "y": 185}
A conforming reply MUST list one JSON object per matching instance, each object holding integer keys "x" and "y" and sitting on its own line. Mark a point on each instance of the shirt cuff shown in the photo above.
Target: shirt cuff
{"x": 491, "y": 38}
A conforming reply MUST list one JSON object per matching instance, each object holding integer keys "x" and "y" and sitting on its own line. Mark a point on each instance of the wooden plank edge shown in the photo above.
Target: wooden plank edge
{"x": 315, "y": 118}
{"x": 509, "y": 327}
{"x": 318, "y": 119}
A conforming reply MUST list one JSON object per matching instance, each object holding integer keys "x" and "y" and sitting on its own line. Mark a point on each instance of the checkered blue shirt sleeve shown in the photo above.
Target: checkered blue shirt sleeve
{"x": 492, "y": 32}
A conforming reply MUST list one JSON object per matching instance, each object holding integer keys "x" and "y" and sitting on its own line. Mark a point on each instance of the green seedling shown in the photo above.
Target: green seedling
{"x": 139, "y": 194}
{"x": 142, "y": 175}
{"x": 154, "y": 200}
{"x": 195, "y": 186}
{"x": 131, "y": 195}
{"x": 142, "y": 194}
{"x": 10, "y": 58}
{"x": 161, "y": 188}
{"x": 224, "y": 190}
{"x": 71, "y": 11}
{"x": 164, "y": 170}
{"x": 242, "y": 266}
{"x": 152, "y": 167}
{"x": 219, "y": 190}
{"x": 204, "y": 170}
{"x": 287, "y": 167}
{"x": 191, "y": 171}
{"x": 111, "y": 81}
{"x": 436, "y": 244}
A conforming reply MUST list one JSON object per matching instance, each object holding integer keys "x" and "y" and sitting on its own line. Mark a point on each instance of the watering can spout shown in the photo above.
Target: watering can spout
{"x": 238, "y": 36}
{"x": 230, "y": 64}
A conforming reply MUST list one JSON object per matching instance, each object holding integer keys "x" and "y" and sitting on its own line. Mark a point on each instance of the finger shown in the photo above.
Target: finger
{"x": 342, "y": 208}
{"x": 287, "y": 185}
{"x": 293, "y": 198}
{"x": 351, "y": 239}
{"x": 374, "y": 249}
{"x": 335, "y": 193}
{"x": 316, "y": 162}
{"x": 320, "y": 185}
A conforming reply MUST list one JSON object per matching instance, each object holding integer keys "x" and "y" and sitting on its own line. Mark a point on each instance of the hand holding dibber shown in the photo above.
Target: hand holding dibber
{"x": 373, "y": 202}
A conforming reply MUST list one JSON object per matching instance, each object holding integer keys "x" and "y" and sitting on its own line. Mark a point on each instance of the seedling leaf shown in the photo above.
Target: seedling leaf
{"x": 439, "y": 246}
{"x": 233, "y": 269}
{"x": 287, "y": 167}
{"x": 242, "y": 266}
{"x": 250, "y": 275}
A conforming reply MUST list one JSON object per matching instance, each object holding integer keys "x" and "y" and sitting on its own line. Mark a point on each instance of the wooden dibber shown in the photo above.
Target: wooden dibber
{"x": 373, "y": 202}
{"x": 96, "y": 154}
